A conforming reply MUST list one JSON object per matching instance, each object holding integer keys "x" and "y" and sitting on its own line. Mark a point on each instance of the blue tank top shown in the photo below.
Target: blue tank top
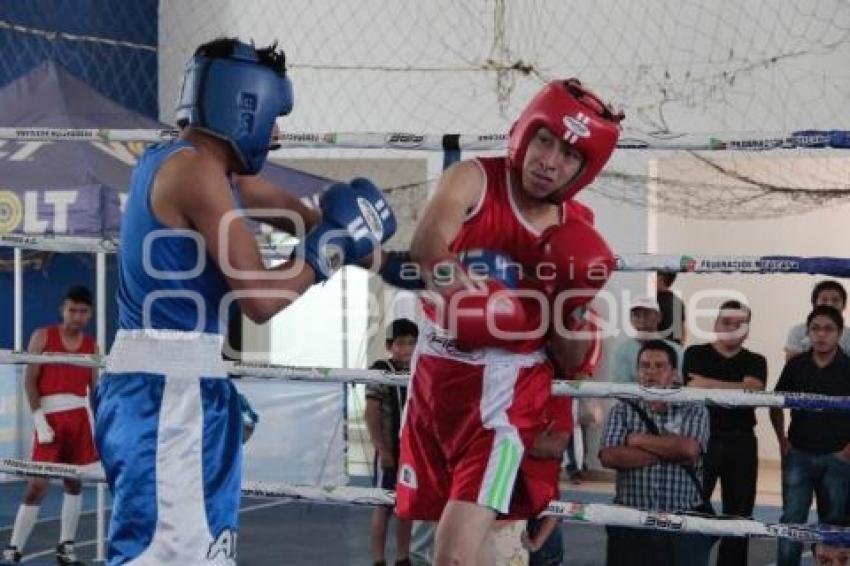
{"x": 172, "y": 288}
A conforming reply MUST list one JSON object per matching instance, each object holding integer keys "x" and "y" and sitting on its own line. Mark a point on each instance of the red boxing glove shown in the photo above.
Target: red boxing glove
{"x": 487, "y": 311}
{"x": 575, "y": 262}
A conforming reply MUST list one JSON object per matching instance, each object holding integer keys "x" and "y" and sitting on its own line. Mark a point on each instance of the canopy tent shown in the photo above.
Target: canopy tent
{"x": 73, "y": 187}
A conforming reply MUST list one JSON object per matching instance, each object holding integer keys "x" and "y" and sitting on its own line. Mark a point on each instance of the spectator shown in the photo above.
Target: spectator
{"x": 58, "y": 395}
{"x": 673, "y": 318}
{"x": 816, "y": 449}
{"x": 829, "y": 555}
{"x": 644, "y": 316}
{"x": 732, "y": 455}
{"x": 384, "y": 405}
{"x": 830, "y": 293}
{"x": 653, "y": 469}
{"x": 826, "y": 555}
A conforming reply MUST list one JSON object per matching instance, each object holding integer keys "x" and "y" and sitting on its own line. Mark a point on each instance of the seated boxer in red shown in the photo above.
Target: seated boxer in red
{"x": 481, "y": 376}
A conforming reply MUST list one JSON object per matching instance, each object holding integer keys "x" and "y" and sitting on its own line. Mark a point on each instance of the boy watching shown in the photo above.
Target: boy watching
{"x": 384, "y": 406}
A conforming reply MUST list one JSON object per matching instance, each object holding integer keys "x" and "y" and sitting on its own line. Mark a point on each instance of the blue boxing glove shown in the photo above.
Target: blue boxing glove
{"x": 356, "y": 219}
{"x": 480, "y": 263}
{"x": 399, "y": 270}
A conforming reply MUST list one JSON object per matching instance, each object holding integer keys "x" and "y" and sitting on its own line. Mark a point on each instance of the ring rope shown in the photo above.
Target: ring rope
{"x": 587, "y": 388}
{"x": 832, "y": 266}
{"x": 717, "y": 141}
{"x": 594, "y": 513}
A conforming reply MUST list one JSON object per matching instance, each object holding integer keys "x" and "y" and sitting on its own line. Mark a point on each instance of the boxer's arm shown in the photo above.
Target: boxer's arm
{"x": 458, "y": 191}
{"x": 667, "y": 447}
{"x": 192, "y": 192}
{"x": 747, "y": 383}
{"x": 550, "y": 444}
{"x": 295, "y": 217}
{"x": 626, "y": 457}
{"x": 36, "y": 346}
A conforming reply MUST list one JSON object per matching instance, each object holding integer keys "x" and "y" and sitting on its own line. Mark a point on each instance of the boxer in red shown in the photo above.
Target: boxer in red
{"x": 59, "y": 398}
{"x": 501, "y": 244}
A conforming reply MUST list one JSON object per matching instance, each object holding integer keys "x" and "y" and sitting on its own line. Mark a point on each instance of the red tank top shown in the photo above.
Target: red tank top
{"x": 496, "y": 224}
{"x": 63, "y": 378}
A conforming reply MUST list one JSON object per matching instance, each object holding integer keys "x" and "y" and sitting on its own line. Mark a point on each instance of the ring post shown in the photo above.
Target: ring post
{"x": 100, "y": 290}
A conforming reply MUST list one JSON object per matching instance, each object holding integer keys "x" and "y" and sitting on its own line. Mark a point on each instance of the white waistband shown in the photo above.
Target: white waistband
{"x": 434, "y": 341}
{"x": 168, "y": 352}
{"x": 62, "y": 402}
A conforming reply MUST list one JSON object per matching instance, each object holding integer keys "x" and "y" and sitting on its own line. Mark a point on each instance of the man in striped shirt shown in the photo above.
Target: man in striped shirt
{"x": 651, "y": 468}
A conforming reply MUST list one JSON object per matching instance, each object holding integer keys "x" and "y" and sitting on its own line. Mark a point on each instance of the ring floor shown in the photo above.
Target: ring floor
{"x": 277, "y": 533}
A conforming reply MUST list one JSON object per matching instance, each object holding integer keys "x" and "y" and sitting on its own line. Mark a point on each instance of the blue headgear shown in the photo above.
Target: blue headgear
{"x": 236, "y": 99}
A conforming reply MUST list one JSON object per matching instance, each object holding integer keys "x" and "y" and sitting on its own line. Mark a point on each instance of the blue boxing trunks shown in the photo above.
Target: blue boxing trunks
{"x": 168, "y": 429}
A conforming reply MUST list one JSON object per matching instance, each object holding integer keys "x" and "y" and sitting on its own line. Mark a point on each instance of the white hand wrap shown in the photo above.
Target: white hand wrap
{"x": 43, "y": 431}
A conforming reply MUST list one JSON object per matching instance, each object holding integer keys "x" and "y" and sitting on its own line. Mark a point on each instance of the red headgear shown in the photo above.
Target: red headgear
{"x": 575, "y": 115}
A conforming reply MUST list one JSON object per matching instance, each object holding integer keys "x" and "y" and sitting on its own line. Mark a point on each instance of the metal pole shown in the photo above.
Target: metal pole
{"x": 100, "y": 290}
{"x": 18, "y": 330}
{"x": 343, "y": 305}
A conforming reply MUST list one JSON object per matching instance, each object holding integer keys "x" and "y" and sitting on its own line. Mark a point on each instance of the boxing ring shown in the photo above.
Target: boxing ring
{"x": 591, "y": 513}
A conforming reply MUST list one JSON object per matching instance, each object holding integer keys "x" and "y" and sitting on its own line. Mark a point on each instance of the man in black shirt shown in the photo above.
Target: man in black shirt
{"x": 816, "y": 451}
{"x": 732, "y": 455}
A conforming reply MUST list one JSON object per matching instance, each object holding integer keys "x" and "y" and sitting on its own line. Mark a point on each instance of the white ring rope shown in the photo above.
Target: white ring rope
{"x": 724, "y": 141}
{"x": 594, "y": 513}
{"x": 837, "y": 267}
{"x": 587, "y": 388}
{"x": 51, "y": 243}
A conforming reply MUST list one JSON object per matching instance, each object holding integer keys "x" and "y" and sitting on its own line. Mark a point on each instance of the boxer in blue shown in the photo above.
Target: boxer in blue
{"x": 167, "y": 421}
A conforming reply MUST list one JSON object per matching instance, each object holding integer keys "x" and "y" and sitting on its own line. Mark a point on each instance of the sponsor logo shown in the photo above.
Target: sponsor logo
{"x": 576, "y": 127}
{"x": 372, "y": 218}
{"x": 716, "y": 143}
{"x": 448, "y": 347}
{"x": 407, "y": 476}
{"x": 299, "y": 138}
{"x": 757, "y": 145}
{"x": 687, "y": 263}
{"x": 664, "y": 521}
{"x": 797, "y": 533}
{"x": 36, "y": 212}
{"x": 333, "y": 256}
{"x": 224, "y": 545}
{"x": 61, "y": 134}
{"x": 632, "y": 143}
{"x": 403, "y": 140}
{"x": 492, "y": 137}
{"x": 11, "y": 211}
{"x": 740, "y": 264}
